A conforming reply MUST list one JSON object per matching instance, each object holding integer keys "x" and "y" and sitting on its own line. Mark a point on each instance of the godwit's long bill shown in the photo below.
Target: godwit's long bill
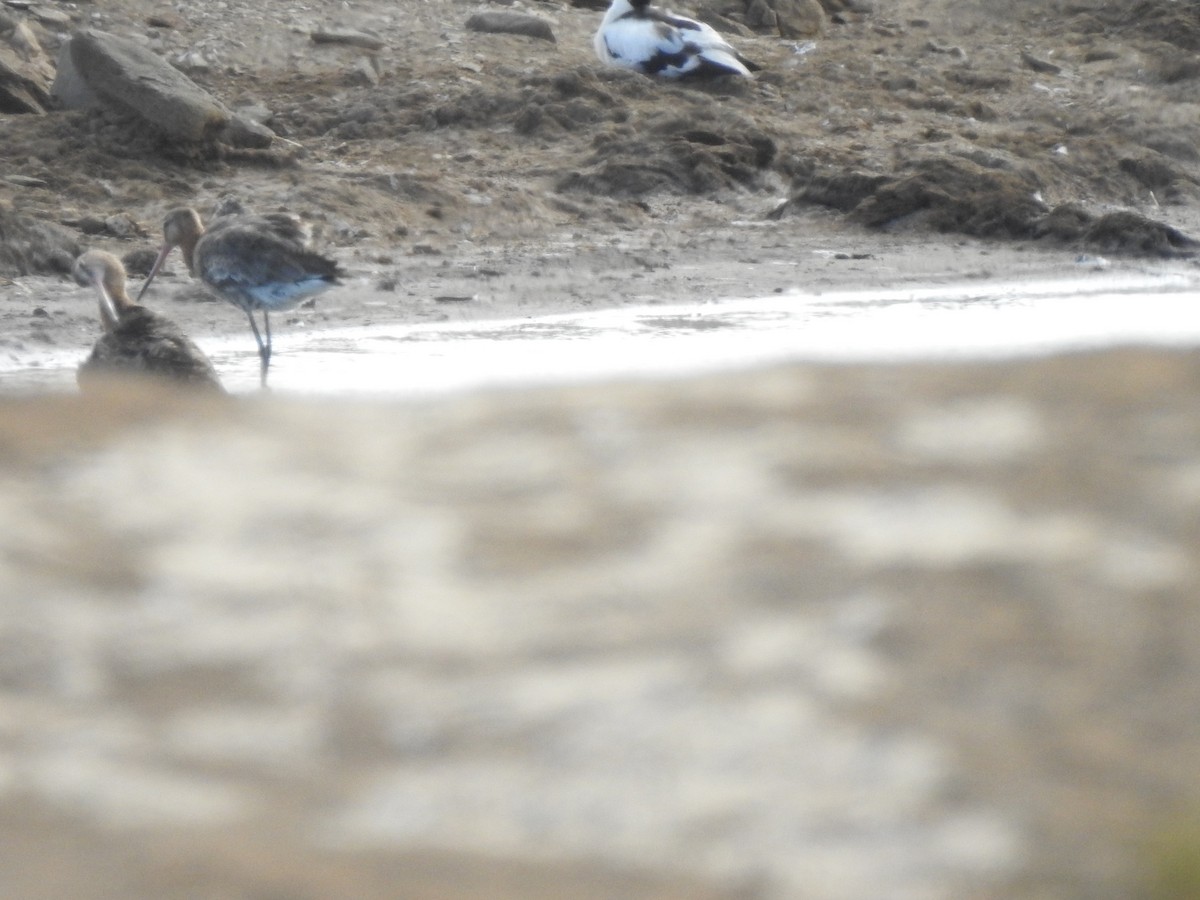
{"x": 136, "y": 340}
{"x": 257, "y": 263}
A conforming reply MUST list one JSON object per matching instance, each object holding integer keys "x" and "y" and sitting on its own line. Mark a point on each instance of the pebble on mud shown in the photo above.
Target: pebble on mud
{"x": 349, "y": 38}
{"x": 497, "y": 22}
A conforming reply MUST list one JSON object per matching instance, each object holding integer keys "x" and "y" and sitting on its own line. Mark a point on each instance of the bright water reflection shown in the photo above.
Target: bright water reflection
{"x": 985, "y": 319}
{"x": 959, "y": 321}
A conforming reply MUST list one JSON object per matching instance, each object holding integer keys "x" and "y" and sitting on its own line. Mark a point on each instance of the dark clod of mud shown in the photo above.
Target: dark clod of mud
{"x": 676, "y": 157}
{"x": 949, "y": 194}
{"x": 1130, "y": 232}
{"x": 1115, "y": 232}
{"x": 1173, "y": 22}
{"x": 30, "y": 246}
{"x": 956, "y": 195}
{"x": 139, "y": 261}
{"x": 944, "y": 194}
{"x": 1158, "y": 173}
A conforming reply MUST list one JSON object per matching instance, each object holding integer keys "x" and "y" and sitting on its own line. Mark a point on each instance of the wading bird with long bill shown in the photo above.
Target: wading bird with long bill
{"x": 257, "y": 263}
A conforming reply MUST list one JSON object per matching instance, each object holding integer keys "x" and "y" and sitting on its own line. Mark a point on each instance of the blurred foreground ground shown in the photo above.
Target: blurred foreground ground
{"x": 925, "y": 631}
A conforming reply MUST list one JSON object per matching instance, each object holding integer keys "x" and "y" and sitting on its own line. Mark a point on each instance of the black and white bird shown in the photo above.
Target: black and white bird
{"x": 635, "y": 35}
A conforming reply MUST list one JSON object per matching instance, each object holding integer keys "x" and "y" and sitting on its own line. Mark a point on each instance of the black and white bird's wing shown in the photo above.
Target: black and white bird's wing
{"x": 671, "y": 46}
{"x": 641, "y": 43}
{"x": 711, "y": 43}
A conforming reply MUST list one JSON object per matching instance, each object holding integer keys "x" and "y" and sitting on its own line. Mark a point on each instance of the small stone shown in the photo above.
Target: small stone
{"x": 1101, "y": 54}
{"x": 140, "y": 261}
{"x": 162, "y": 20}
{"x": 122, "y": 225}
{"x": 255, "y": 112}
{"x": 192, "y": 61}
{"x": 244, "y": 132}
{"x": 1039, "y": 65}
{"x": 49, "y": 16}
{"x": 24, "y": 181}
{"x": 364, "y": 73}
{"x": 787, "y": 18}
{"x": 351, "y": 38}
{"x": 89, "y": 225}
{"x": 503, "y": 22}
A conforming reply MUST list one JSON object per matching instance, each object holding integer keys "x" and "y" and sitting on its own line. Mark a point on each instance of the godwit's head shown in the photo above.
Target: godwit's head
{"x": 104, "y": 272}
{"x": 182, "y": 228}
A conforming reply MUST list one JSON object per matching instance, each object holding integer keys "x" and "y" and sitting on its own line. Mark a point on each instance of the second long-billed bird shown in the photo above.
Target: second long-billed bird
{"x": 635, "y": 35}
{"x": 136, "y": 340}
{"x": 257, "y": 263}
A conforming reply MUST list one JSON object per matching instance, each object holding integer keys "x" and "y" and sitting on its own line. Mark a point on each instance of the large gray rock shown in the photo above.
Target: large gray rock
{"x": 25, "y": 70}
{"x": 136, "y": 80}
{"x": 69, "y": 89}
{"x": 787, "y": 18}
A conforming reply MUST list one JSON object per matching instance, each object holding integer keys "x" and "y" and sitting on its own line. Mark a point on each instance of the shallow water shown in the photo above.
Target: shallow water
{"x": 957, "y": 321}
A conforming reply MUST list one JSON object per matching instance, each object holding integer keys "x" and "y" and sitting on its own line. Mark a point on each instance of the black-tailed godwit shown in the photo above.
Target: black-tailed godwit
{"x": 257, "y": 263}
{"x": 136, "y": 340}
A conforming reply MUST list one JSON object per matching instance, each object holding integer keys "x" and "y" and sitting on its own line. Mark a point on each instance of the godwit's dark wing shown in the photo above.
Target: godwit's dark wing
{"x": 288, "y": 227}
{"x": 259, "y": 267}
{"x": 229, "y": 210}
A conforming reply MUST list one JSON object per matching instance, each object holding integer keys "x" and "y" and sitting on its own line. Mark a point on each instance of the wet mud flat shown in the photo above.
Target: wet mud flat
{"x": 817, "y": 631}
{"x": 801, "y": 262}
{"x": 1070, "y": 131}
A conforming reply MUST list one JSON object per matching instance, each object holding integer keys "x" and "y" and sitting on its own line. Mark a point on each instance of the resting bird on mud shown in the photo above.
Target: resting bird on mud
{"x": 257, "y": 263}
{"x": 136, "y": 340}
{"x": 637, "y": 36}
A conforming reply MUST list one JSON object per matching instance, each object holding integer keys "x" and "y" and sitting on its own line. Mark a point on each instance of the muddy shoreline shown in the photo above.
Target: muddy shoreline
{"x": 48, "y": 315}
{"x": 496, "y": 175}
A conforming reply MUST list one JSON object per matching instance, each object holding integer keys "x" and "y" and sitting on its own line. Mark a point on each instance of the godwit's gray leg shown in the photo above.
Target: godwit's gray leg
{"x": 266, "y": 359}
{"x": 264, "y": 349}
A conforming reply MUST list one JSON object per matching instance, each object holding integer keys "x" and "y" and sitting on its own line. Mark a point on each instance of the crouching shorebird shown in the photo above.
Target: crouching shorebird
{"x": 257, "y": 263}
{"x": 635, "y": 35}
{"x": 136, "y": 340}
